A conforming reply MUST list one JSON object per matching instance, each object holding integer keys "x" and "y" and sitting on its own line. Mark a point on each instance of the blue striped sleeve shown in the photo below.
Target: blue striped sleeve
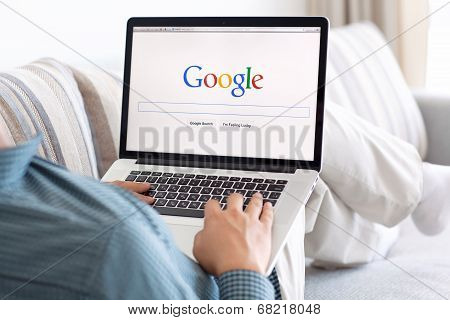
{"x": 245, "y": 285}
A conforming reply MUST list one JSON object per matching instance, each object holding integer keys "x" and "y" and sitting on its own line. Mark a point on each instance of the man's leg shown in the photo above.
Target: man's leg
{"x": 371, "y": 180}
{"x": 337, "y": 236}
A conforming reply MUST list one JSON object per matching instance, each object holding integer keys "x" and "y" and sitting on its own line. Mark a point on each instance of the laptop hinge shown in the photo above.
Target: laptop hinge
{"x": 217, "y": 165}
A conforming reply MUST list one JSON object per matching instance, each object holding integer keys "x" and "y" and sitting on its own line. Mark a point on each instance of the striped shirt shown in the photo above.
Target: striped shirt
{"x": 64, "y": 236}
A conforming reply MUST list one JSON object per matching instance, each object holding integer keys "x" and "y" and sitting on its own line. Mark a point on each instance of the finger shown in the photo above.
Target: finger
{"x": 266, "y": 217}
{"x": 146, "y": 199}
{"x": 235, "y": 201}
{"x": 136, "y": 186}
{"x": 255, "y": 206}
{"x": 212, "y": 208}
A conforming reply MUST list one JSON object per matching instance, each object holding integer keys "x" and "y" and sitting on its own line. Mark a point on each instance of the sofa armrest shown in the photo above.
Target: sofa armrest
{"x": 435, "y": 108}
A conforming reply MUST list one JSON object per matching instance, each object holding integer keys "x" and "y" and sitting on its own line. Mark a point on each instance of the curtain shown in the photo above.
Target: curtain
{"x": 394, "y": 18}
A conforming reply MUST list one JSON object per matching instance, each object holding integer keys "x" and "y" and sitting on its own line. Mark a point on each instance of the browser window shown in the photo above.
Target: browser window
{"x": 226, "y": 91}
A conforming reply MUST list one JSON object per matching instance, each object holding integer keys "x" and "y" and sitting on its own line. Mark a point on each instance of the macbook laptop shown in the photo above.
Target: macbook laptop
{"x": 214, "y": 106}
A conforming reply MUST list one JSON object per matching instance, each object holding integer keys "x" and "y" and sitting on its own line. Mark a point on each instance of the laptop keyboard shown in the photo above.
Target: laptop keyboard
{"x": 192, "y": 191}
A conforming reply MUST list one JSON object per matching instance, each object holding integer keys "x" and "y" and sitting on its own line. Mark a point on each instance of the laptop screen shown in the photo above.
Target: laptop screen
{"x": 226, "y": 91}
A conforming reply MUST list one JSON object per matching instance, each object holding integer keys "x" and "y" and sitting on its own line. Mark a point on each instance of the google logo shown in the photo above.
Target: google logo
{"x": 193, "y": 78}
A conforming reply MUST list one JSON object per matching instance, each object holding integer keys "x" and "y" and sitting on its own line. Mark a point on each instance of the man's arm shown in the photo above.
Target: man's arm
{"x": 234, "y": 246}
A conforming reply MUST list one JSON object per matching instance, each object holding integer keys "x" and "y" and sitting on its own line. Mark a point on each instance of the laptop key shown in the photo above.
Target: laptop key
{"x": 205, "y": 183}
{"x": 200, "y": 176}
{"x": 217, "y": 191}
{"x": 184, "y": 189}
{"x": 173, "y": 188}
{"x": 202, "y": 206}
{"x": 227, "y": 184}
{"x": 146, "y": 173}
{"x": 135, "y": 173}
{"x": 194, "y": 205}
{"x": 265, "y": 194}
{"x": 271, "y": 181}
{"x": 194, "y": 182}
{"x": 218, "y": 198}
{"x": 163, "y": 180}
{"x": 238, "y": 185}
{"x": 141, "y": 178}
{"x": 206, "y": 190}
{"x": 160, "y": 194}
{"x": 227, "y": 192}
{"x": 261, "y": 186}
{"x": 274, "y": 195}
{"x": 167, "y": 174}
{"x": 223, "y": 178}
{"x": 211, "y": 177}
{"x": 173, "y": 181}
{"x": 250, "y": 193}
{"x": 216, "y": 184}
{"x": 250, "y": 186}
{"x": 282, "y": 182}
{"x": 258, "y": 180}
{"x": 242, "y": 192}
{"x": 172, "y": 203}
{"x": 193, "y": 197}
{"x": 131, "y": 177}
{"x": 151, "y": 193}
{"x": 246, "y": 179}
{"x": 178, "y": 175}
{"x": 189, "y": 176}
{"x": 182, "y": 196}
{"x": 152, "y": 179}
{"x": 163, "y": 187}
{"x": 154, "y": 186}
{"x": 204, "y": 197}
{"x": 234, "y": 179}
{"x": 276, "y": 187}
{"x": 183, "y": 181}
{"x": 183, "y": 204}
{"x": 160, "y": 203}
{"x": 157, "y": 174}
{"x": 171, "y": 195}
{"x": 195, "y": 189}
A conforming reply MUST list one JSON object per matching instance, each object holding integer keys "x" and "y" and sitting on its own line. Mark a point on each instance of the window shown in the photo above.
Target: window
{"x": 438, "y": 70}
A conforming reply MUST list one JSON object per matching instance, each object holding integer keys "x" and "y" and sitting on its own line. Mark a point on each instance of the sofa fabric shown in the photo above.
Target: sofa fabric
{"x": 417, "y": 267}
{"x": 79, "y": 121}
{"x": 435, "y": 109}
{"x": 44, "y": 97}
{"x": 102, "y": 95}
{"x": 363, "y": 75}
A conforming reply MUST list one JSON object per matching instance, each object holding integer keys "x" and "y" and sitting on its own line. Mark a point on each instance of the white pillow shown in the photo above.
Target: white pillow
{"x": 363, "y": 75}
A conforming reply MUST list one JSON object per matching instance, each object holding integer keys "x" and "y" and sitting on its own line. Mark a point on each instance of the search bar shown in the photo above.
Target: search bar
{"x": 190, "y": 108}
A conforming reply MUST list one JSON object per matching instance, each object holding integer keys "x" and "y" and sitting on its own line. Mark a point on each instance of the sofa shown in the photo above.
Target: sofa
{"x": 77, "y": 111}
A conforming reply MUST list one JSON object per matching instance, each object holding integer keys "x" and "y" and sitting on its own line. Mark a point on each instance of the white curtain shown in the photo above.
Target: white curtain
{"x": 394, "y": 18}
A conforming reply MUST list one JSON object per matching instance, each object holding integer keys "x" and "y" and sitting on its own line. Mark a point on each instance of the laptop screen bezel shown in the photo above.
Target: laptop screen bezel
{"x": 227, "y": 162}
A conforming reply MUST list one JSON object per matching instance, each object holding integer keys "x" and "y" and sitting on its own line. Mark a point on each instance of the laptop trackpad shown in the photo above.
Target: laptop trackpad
{"x": 184, "y": 237}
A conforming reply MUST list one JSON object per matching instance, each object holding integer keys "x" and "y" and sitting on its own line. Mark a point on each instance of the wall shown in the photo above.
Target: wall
{"x": 96, "y": 29}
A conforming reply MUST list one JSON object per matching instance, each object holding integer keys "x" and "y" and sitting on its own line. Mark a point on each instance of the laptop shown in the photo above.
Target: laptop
{"x": 214, "y": 106}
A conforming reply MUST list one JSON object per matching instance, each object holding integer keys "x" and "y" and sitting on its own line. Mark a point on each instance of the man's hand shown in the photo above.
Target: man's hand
{"x": 138, "y": 189}
{"x": 235, "y": 239}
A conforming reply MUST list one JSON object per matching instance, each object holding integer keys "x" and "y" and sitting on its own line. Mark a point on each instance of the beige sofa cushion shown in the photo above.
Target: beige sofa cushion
{"x": 77, "y": 114}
